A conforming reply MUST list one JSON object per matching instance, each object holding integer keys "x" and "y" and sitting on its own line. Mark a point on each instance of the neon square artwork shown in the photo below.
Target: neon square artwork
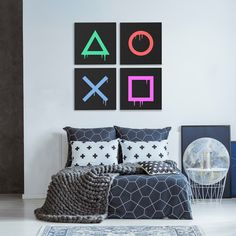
{"x": 140, "y": 89}
{"x": 149, "y": 79}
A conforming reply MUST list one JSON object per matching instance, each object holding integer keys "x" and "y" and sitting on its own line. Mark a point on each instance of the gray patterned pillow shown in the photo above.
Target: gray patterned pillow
{"x": 142, "y": 134}
{"x": 159, "y": 167}
{"x": 146, "y": 135}
{"x": 86, "y": 134}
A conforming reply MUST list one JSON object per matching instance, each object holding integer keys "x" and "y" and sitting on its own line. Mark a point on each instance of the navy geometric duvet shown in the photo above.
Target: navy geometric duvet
{"x": 150, "y": 197}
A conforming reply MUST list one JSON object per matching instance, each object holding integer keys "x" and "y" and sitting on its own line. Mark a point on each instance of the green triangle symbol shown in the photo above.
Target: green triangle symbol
{"x": 103, "y": 53}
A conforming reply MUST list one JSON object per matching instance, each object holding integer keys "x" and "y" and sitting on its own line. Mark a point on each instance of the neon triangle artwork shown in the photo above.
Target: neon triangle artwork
{"x": 103, "y": 53}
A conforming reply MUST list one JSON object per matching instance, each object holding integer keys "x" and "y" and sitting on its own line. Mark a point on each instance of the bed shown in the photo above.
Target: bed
{"x": 92, "y": 193}
{"x": 150, "y": 197}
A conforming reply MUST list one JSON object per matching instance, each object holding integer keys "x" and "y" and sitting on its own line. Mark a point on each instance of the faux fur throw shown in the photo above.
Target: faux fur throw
{"x": 80, "y": 194}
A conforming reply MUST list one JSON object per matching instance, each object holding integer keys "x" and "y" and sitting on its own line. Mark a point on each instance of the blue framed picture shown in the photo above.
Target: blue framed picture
{"x": 220, "y": 133}
{"x": 233, "y": 168}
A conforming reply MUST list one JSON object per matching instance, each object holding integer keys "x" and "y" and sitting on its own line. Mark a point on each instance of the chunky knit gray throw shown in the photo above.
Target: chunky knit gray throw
{"x": 80, "y": 194}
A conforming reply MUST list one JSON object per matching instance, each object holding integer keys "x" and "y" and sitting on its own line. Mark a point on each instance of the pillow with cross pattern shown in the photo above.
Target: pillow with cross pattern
{"x": 94, "y": 153}
{"x": 144, "y": 151}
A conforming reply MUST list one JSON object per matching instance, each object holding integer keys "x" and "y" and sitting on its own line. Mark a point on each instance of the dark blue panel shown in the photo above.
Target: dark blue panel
{"x": 233, "y": 168}
{"x": 218, "y": 132}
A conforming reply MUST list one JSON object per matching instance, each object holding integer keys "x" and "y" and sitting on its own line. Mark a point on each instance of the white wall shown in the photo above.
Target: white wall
{"x": 199, "y": 72}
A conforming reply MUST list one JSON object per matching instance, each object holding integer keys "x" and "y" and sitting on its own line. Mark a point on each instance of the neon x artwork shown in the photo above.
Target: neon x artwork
{"x": 103, "y": 53}
{"x": 95, "y": 89}
{"x": 141, "y": 100}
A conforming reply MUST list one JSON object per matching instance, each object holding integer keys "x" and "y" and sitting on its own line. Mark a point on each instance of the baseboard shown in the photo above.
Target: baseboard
{"x": 10, "y": 196}
{"x": 33, "y": 196}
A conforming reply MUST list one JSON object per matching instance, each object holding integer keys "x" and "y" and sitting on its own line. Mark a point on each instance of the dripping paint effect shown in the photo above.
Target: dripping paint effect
{"x": 104, "y": 102}
{"x": 104, "y": 57}
{"x": 140, "y": 36}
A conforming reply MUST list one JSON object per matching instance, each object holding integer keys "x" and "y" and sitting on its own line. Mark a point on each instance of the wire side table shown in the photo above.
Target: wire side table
{"x": 207, "y": 183}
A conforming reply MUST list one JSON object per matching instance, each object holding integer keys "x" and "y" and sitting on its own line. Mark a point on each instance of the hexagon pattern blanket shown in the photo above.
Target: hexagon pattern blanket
{"x": 90, "y": 194}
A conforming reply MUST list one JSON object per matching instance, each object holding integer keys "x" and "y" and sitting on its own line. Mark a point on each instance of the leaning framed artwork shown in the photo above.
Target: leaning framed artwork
{"x": 206, "y": 151}
{"x": 233, "y": 168}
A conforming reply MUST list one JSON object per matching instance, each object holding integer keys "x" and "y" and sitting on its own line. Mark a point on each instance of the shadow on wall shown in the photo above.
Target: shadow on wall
{"x": 49, "y": 151}
{"x": 64, "y": 149}
{"x": 180, "y": 151}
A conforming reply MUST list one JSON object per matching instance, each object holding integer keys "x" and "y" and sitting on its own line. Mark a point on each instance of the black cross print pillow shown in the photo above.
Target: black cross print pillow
{"x": 158, "y": 167}
{"x": 94, "y": 153}
{"x": 144, "y": 151}
{"x": 87, "y": 134}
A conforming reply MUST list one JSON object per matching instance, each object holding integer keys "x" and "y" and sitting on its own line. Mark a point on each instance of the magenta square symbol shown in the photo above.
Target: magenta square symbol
{"x": 151, "y": 88}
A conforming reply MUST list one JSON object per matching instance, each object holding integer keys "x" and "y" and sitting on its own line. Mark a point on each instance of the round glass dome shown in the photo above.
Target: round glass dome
{"x": 206, "y": 161}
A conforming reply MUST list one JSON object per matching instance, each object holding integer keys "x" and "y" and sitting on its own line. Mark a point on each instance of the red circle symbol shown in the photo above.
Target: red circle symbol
{"x": 140, "y": 34}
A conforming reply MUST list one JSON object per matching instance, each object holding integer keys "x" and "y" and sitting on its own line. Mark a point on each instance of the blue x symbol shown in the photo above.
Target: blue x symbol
{"x": 95, "y": 88}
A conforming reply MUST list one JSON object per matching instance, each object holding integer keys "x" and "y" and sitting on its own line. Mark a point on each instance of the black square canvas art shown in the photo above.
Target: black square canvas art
{"x": 95, "y": 89}
{"x": 140, "y": 43}
{"x": 140, "y": 88}
{"x": 95, "y": 43}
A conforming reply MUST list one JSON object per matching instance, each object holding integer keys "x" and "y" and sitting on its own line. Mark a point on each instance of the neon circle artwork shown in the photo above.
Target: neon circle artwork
{"x": 140, "y": 99}
{"x": 140, "y": 34}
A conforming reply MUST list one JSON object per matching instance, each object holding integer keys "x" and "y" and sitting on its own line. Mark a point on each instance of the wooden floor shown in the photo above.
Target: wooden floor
{"x": 17, "y": 218}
